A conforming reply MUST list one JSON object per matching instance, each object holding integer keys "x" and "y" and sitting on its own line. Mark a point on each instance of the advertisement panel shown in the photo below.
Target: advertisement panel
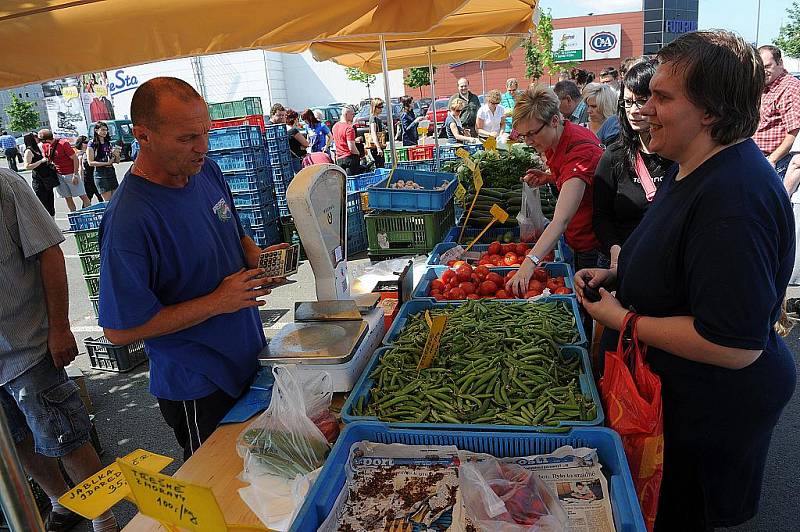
{"x": 65, "y": 107}
{"x": 123, "y": 82}
{"x": 603, "y": 42}
{"x": 568, "y": 45}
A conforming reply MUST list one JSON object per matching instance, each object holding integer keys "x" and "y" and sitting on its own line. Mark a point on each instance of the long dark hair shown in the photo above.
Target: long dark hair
{"x": 32, "y": 143}
{"x": 309, "y": 118}
{"x": 637, "y": 80}
{"x": 96, "y": 140}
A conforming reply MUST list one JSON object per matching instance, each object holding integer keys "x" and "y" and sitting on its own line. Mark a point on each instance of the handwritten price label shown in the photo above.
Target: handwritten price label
{"x": 432, "y": 344}
{"x": 497, "y": 212}
{"x": 477, "y": 180}
{"x": 460, "y": 193}
{"x": 172, "y": 501}
{"x": 108, "y": 486}
{"x": 490, "y": 144}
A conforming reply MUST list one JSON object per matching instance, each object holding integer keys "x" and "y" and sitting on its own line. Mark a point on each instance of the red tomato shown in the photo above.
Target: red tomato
{"x": 446, "y": 294}
{"x": 467, "y": 288}
{"x": 552, "y": 285}
{"x": 451, "y": 263}
{"x": 510, "y": 275}
{"x": 521, "y": 249}
{"x": 458, "y": 263}
{"x": 502, "y": 294}
{"x": 530, "y": 293}
{"x": 499, "y": 262}
{"x": 520, "y": 259}
{"x": 440, "y": 297}
{"x": 550, "y": 257}
{"x": 464, "y": 273}
{"x": 540, "y": 274}
{"x": 536, "y": 286}
{"x": 559, "y": 280}
{"x": 437, "y": 284}
{"x": 494, "y": 248}
{"x": 488, "y": 288}
{"x": 453, "y": 282}
{"x": 484, "y": 261}
{"x": 496, "y": 278}
{"x": 563, "y": 290}
{"x": 473, "y": 296}
{"x": 482, "y": 270}
{"x": 457, "y": 293}
{"x": 495, "y": 257}
{"x": 434, "y": 292}
{"x": 447, "y": 275}
{"x": 510, "y": 259}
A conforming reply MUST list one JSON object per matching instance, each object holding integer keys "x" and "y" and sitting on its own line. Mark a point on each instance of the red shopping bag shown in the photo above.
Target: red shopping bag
{"x": 631, "y": 395}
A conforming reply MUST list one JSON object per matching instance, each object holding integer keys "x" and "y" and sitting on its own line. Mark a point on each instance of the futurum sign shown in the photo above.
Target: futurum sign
{"x": 680, "y": 26}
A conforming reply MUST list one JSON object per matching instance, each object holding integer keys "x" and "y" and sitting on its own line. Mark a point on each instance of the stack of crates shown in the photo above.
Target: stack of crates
{"x": 85, "y": 225}
{"x": 236, "y": 144}
{"x": 356, "y": 227}
{"x": 280, "y": 162}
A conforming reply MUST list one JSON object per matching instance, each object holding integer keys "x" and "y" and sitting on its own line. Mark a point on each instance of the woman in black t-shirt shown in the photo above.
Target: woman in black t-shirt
{"x": 297, "y": 141}
{"x": 619, "y": 200}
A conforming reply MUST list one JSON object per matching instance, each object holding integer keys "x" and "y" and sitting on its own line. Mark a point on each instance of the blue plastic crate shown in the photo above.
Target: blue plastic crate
{"x": 398, "y": 199}
{"x": 259, "y": 215}
{"x": 356, "y": 225}
{"x": 555, "y": 269}
{"x": 249, "y": 180}
{"x": 624, "y": 503}
{"x": 433, "y": 257}
{"x": 277, "y": 158}
{"x": 420, "y": 305}
{"x": 240, "y": 160}
{"x": 447, "y": 152}
{"x": 234, "y": 137}
{"x": 253, "y": 198}
{"x": 266, "y": 235}
{"x": 276, "y": 131}
{"x": 279, "y": 187}
{"x": 282, "y": 173}
{"x": 425, "y": 166}
{"x": 88, "y": 218}
{"x": 359, "y": 183}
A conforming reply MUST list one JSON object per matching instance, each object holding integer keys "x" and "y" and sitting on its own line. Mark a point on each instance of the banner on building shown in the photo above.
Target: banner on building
{"x": 123, "y": 82}
{"x": 603, "y": 42}
{"x": 568, "y": 45}
{"x": 65, "y": 107}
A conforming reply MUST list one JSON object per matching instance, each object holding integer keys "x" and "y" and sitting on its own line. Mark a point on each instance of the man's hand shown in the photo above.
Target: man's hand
{"x": 252, "y": 253}
{"x": 536, "y": 178}
{"x": 240, "y": 290}
{"x": 62, "y": 346}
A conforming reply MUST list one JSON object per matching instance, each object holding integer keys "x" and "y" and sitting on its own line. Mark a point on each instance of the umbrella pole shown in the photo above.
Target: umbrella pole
{"x": 483, "y": 80}
{"x": 16, "y": 497}
{"x": 389, "y": 119}
{"x": 433, "y": 104}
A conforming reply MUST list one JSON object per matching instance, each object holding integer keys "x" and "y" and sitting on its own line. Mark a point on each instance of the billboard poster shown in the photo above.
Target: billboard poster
{"x": 94, "y": 94}
{"x": 568, "y": 45}
{"x": 603, "y": 42}
{"x": 65, "y": 107}
{"x": 123, "y": 82}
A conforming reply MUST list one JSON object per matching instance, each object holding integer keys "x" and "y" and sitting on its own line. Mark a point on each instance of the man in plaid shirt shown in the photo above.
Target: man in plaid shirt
{"x": 780, "y": 111}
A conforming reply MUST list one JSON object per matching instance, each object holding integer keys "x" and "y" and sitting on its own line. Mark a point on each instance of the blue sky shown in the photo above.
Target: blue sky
{"x": 736, "y": 15}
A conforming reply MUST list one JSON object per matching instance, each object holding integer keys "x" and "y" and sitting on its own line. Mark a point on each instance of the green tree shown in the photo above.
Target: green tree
{"x": 355, "y": 74}
{"x": 418, "y": 77}
{"x": 788, "y": 39}
{"x": 539, "y": 53}
{"x": 22, "y": 115}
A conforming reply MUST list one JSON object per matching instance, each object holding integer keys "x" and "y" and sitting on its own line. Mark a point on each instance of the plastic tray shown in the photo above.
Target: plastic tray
{"x": 249, "y": 180}
{"x": 399, "y": 199}
{"x": 252, "y": 120}
{"x": 402, "y": 153}
{"x": 88, "y": 218}
{"x": 240, "y": 160}
{"x": 259, "y": 215}
{"x": 276, "y": 131}
{"x": 392, "y": 234}
{"x": 419, "y": 305}
{"x": 231, "y": 138}
{"x": 433, "y": 257}
{"x": 588, "y": 388}
{"x": 250, "y": 105}
{"x": 359, "y": 183}
{"x": 88, "y": 241}
{"x": 109, "y": 357}
{"x": 92, "y": 284}
{"x": 624, "y": 503}
{"x": 90, "y": 263}
{"x": 555, "y": 269}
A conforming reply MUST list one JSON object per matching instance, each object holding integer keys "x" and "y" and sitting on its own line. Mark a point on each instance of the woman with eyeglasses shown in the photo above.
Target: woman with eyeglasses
{"x": 377, "y": 131}
{"x": 628, "y": 174}
{"x": 452, "y": 124}
{"x": 572, "y": 154}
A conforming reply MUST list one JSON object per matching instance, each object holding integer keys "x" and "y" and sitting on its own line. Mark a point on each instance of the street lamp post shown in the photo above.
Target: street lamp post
{"x": 758, "y": 21}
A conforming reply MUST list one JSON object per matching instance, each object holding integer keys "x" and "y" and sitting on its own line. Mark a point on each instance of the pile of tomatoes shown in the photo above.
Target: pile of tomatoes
{"x": 510, "y": 255}
{"x": 467, "y": 282}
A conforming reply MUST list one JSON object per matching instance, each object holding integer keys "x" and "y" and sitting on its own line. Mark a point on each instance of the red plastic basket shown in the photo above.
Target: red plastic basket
{"x": 420, "y": 153}
{"x": 252, "y": 120}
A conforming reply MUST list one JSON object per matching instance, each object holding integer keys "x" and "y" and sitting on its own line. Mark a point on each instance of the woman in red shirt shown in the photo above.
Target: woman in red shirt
{"x": 572, "y": 154}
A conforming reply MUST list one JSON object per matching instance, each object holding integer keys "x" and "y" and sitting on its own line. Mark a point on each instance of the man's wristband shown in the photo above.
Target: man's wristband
{"x": 534, "y": 259}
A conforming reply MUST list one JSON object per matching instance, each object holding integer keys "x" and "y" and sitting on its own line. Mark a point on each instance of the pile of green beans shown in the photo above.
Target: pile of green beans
{"x": 498, "y": 363}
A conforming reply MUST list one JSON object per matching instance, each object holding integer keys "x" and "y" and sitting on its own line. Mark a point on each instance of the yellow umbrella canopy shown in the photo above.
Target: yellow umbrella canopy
{"x": 56, "y": 38}
{"x": 474, "y": 49}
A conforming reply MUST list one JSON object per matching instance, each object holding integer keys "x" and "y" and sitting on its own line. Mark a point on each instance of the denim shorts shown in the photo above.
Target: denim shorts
{"x": 44, "y": 402}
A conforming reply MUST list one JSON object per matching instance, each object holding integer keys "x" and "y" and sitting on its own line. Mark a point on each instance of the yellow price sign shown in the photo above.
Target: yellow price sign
{"x": 498, "y": 212}
{"x": 428, "y": 318}
{"x": 477, "y": 180}
{"x": 69, "y": 93}
{"x": 107, "y": 487}
{"x": 490, "y": 144}
{"x": 464, "y": 154}
{"x": 172, "y": 501}
{"x": 432, "y": 344}
{"x": 101, "y": 90}
{"x": 460, "y": 192}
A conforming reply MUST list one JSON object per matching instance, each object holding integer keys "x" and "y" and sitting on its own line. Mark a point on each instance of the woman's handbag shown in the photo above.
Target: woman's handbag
{"x": 47, "y": 174}
{"x": 631, "y": 395}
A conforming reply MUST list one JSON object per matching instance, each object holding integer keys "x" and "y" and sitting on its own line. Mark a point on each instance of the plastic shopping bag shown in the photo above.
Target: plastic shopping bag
{"x": 631, "y": 395}
{"x": 277, "y": 500}
{"x": 531, "y": 220}
{"x": 508, "y": 498}
{"x": 283, "y": 441}
{"x": 318, "y": 392}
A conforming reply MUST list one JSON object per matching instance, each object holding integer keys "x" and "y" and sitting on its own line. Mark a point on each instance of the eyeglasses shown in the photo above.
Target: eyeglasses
{"x": 639, "y": 102}
{"x": 531, "y": 134}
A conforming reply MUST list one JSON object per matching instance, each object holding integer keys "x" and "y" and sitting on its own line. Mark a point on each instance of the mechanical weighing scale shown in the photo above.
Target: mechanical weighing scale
{"x": 337, "y": 333}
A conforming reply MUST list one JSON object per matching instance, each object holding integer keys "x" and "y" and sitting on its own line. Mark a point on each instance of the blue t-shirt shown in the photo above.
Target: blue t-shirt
{"x": 321, "y": 133}
{"x": 160, "y": 246}
{"x": 609, "y": 131}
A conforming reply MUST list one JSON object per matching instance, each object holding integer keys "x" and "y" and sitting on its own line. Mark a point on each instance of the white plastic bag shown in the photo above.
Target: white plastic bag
{"x": 276, "y": 500}
{"x": 318, "y": 392}
{"x": 505, "y": 497}
{"x": 531, "y": 220}
{"x": 283, "y": 441}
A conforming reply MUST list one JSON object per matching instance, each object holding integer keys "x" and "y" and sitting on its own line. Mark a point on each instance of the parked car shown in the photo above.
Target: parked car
{"x": 330, "y": 114}
{"x": 441, "y": 113}
{"x": 361, "y": 120}
{"x": 118, "y": 130}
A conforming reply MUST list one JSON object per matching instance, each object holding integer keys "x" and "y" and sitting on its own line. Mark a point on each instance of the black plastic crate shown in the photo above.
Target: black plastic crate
{"x": 109, "y": 357}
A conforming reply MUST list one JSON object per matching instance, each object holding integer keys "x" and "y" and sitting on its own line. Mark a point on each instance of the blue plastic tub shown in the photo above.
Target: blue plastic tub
{"x": 398, "y": 199}
{"x": 259, "y": 215}
{"x": 249, "y": 180}
{"x": 555, "y": 269}
{"x": 234, "y": 137}
{"x": 494, "y": 233}
{"x": 447, "y": 152}
{"x": 88, "y": 218}
{"x": 624, "y": 503}
{"x": 436, "y": 253}
{"x": 359, "y": 183}
{"x": 423, "y": 166}
{"x": 419, "y": 305}
{"x": 276, "y": 131}
{"x": 587, "y": 384}
{"x": 240, "y": 160}
{"x": 356, "y": 225}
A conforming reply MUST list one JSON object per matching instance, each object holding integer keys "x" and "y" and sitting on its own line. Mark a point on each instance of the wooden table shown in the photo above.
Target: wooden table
{"x": 215, "y": 464}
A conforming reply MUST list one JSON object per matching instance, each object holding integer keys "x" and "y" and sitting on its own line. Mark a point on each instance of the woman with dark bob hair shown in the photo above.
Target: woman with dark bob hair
{"x": 706, "y": 270}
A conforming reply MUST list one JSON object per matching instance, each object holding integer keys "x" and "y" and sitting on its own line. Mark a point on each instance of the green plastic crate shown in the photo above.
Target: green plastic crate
{"x": 92, "y": 284}
{"x": 88, "y": 241}
{"x": 90, "y": 262}
{"x": 402, "y": 154}
{"x": 237, "y": 109}
{"x": 95, "y": 306}
{"x": 391, "y": 234}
